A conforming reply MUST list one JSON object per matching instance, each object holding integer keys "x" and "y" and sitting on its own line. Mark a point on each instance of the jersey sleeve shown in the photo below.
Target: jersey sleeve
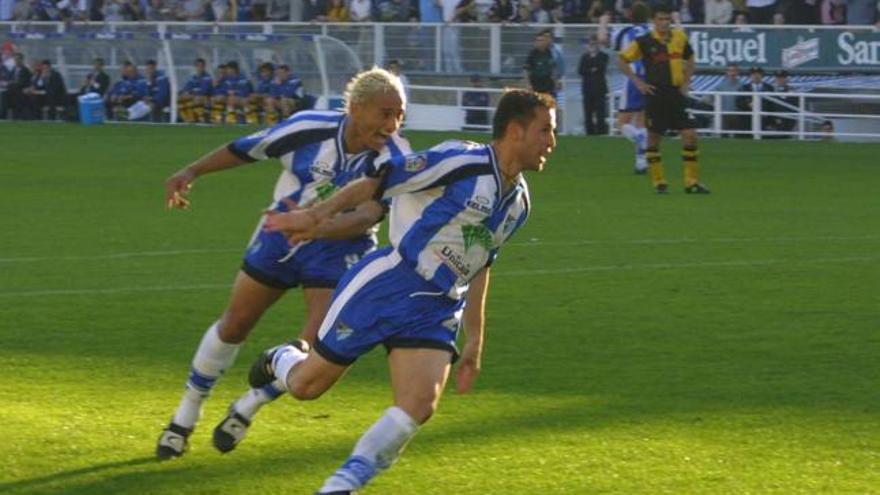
{"x": 632, "y": 52}
{"x": 688, "y": 50}
{"x": 283, "y": 138}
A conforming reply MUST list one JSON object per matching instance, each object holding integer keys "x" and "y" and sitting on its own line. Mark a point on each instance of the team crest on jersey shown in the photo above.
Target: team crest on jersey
{"x": 323, "y": 169}
{"x": 415, "y": 163}
{"x": 343, "y": 331}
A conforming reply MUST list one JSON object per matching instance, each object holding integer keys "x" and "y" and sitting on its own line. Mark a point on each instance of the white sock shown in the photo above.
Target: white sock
{"x": 212, "y": 358}
{"x": 376, "y": 450}
{"x": 248, "y": 404}
{"x": 284, "y": 361}
{"x": 641, "y": 146}
{"x": 630, "y": 132}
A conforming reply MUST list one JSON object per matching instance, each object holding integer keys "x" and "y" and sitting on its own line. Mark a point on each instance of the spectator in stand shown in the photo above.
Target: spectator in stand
{"x": 756, "y": 84}
{"x": 861, "y": 12}
{"x": 19, "y": 80}
{"x": 157, "y": 11}
{"x": 122, "y": 10}
{"x": 594, "y": 87}
{"x": 504, "y": 11}
{"x": 833, "y": 12}
{"x": 731, "y": 82}
{"x": 538, "y": 14}
{"x": 96, "y": 81}
{"x": 799, "y": 11}
{"x": 719, "y": 12}
{"x": 6, "y": 7}
{"x": 761, "y": 11}
{"x": 359, "y": 10}
{"x": 691, "y": 12}
{"x": 191, "y": 10}
{"x": 336, "y": 11}
{"x": 394, "y": 10}
{"x": 475, "y": 119}
{"x": 741, "y": 18}
{"x": 276, "y": 10}
{"x": 827, "y": 130}
{"x": 595, "y": 12}
{"x": 453, "y": 11}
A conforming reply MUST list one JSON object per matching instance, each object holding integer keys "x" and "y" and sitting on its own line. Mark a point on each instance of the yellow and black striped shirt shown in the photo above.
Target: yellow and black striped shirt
{"x": 663, "y": 59}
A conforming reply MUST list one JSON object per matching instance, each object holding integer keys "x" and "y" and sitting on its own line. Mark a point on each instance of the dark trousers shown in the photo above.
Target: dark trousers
{"x": 595, "y": 112}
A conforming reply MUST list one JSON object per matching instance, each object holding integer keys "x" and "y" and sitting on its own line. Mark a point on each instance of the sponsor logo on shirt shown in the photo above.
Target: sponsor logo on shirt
{"x": 454, "y": 261}
{"x": 476, "y": 235}
{"x": 322, "y": 169}
{"x": 480, "y": 204}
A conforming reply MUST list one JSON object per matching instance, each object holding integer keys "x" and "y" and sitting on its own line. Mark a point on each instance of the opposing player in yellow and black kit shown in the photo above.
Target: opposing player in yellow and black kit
{"x": 669, "y": 65}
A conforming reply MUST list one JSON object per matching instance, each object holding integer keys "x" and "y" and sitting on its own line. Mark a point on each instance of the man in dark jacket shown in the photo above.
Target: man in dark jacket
{"x": 19, "y": 81}
{"x": 48, "y": 92}
{"x": 594, "y": 88}
{"x": 540, "y": 66}
{"x": 744, "y": 103}
{"x": 96, "y": 81}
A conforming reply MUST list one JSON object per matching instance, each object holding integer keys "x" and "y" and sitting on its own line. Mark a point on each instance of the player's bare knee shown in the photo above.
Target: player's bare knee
{"x": 304, "y": 389}
{"x": 420, "y": 407}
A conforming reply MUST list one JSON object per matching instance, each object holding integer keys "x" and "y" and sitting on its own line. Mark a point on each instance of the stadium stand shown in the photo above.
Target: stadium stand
{"x": 837, "y": 82}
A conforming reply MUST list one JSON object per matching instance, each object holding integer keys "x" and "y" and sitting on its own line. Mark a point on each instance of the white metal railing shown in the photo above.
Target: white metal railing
{"x": 807, "y": 119}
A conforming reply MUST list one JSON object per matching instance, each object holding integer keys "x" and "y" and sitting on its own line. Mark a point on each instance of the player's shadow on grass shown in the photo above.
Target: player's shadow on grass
{"x": 61, "y": 476}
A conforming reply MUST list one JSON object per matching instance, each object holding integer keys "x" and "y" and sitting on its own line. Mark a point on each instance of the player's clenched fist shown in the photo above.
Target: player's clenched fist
{"x": 177, "y": 187}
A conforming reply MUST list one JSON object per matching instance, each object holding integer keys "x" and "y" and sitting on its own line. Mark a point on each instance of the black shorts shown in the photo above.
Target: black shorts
{"x": 666, "y": 110}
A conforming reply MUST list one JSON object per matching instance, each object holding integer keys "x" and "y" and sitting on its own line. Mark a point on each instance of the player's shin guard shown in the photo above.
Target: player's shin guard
{"x": 690, "y": 157}
{"x": 376, "y": 450}
{"x": 212, "y": 358}
{"x": 655, "y": 165}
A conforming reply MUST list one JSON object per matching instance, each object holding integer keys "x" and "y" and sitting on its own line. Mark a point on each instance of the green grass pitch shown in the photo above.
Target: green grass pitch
{"x": 636, "y": 344}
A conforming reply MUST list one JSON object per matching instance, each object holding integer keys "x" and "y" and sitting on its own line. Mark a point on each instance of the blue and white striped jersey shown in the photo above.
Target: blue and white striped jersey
{"x": 621, "y": 38}
{"x": 448, "y": 215}
{"x": 311, "y": 148}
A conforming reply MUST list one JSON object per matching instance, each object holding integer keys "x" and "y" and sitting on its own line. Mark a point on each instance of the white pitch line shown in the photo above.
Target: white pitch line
{"x": 536, "y": 242}
{"x": 669, "y": 266}
{"x": 512, "y": 273}
{"x": 111, "y": 256}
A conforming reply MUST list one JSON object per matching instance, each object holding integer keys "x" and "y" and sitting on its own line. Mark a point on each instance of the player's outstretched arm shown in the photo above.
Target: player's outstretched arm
{"x": 302, "y": 225}
{"x": 178, "y": 185}
{"x": 473, "y": 320}
{"x": 351, "y": 223}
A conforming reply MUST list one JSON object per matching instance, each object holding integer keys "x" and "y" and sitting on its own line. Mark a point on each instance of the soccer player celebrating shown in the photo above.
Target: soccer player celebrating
{"x": 631, "y": 113}
{"x": 669, "y": 64}
{"x": 193, "y": 99}
{"x": 320, "y": 152}
{"x": 452, "y": 208}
